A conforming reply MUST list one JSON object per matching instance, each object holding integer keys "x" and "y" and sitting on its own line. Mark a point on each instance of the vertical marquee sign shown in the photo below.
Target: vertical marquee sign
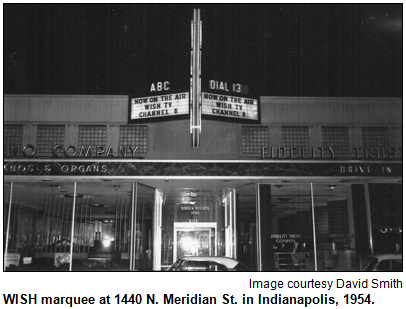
{"x": 195, "y": 80}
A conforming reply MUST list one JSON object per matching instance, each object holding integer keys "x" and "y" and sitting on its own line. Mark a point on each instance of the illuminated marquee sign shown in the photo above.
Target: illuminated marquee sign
{"x": 226, "y": 100}
{"x": 229, "y": 106}
{"x": 162, "y": 105}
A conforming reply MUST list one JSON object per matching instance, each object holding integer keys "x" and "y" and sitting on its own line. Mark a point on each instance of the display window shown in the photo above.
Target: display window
{"x": 282, "y": 225}
{"x": 336, "y": 236}
{"x": 329, "y": 225}
{"x": 287, "y": 237}
{"x": 78, "y": 226}
{"x": 386, "y": 217}
{"x": 246, "y": 227}
{"x": 39, "y": 225}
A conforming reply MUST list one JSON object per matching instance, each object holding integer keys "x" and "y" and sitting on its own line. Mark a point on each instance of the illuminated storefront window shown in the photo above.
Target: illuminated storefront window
{"x": 101, "y": 226}
{"x": 129, "y": 226}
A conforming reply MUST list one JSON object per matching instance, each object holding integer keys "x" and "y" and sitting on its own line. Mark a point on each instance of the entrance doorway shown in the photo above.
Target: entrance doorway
{"x": 195, "y": 221}
{"x": 195, "y": 239}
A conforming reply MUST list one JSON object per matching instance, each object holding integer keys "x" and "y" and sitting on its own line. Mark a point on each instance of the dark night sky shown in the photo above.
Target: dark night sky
{"x": 278, "y": 50}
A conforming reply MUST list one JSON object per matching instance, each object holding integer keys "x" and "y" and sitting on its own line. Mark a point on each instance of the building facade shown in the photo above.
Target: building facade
{"x": 314, "y": 185}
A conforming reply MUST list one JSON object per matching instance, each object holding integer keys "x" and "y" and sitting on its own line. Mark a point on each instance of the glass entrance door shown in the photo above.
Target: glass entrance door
{"x": 194, "y": 221}
{"x": 194, "y": 239}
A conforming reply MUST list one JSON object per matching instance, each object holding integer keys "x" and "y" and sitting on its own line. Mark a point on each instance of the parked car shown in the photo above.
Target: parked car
{"x": 207, "y": 263}
{"x": 382, "y": 262}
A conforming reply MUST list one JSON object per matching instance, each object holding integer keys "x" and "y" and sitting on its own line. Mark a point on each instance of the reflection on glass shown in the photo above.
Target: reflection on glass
{"x": 246, "y": 226}
{"x": 335, "y": 227}
{"x": 291, "y": 227}
{"x": 100, "y": 233}
{"x": 8, "y": 255}
{"x": 142, "y": 237}
{"x": 386, "y": 217}
{"x": 40, "y": 225}
{"x": 102, "y": 225}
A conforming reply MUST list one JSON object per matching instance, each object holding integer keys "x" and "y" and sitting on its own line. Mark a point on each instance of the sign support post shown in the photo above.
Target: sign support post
{"x": 195, "y": 80}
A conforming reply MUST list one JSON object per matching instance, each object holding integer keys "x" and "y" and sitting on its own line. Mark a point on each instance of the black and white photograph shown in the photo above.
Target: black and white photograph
{"x": 204, "y": 138}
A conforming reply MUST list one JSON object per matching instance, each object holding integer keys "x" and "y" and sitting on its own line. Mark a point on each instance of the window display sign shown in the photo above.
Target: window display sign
{"x": 163, "y": 105}
{"x": 229, "y": 106}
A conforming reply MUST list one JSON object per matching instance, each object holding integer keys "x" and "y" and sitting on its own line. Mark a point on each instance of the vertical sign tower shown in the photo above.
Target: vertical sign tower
{"x": 195, "y": 80}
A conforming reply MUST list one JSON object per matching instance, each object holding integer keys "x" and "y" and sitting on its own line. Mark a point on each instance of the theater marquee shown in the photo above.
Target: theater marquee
{"x": 229, "y": 106}
{"x": 226, "y": 101}
{"x": 162, "y": 105}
